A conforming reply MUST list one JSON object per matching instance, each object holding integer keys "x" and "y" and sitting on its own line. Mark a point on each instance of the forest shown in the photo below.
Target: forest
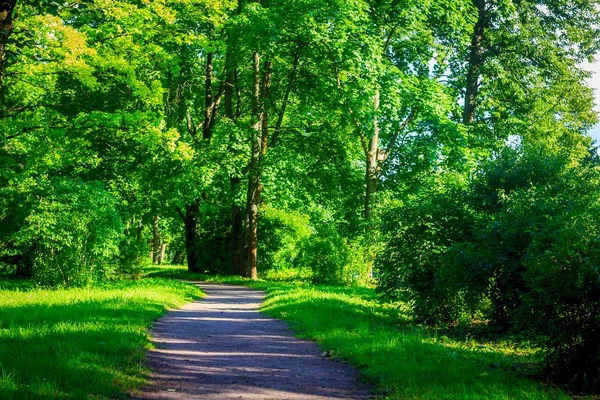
{"x": 435, "y": 150}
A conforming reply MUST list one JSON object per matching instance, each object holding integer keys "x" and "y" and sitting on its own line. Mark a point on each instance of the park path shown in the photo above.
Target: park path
{"x": 222, "y": 347}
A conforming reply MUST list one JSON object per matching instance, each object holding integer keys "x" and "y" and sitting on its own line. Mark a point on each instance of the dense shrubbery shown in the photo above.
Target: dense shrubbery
{"x": 71, "y": 234}
{"x": 298, "y": 248}
{"x": 519, "y": 245}
{"x": 282, "y": 234}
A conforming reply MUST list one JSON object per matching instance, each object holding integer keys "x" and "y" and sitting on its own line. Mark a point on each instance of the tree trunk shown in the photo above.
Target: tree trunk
{"x": 372, "y": 170}
{"x": 253, "y": 194}
{"x": 140, "y": 229}
{"x": 191, "y": 228}
{"x": 475, "y": 61}
{"x": 260, "y": 127}
{"x": 156, "y": 242}
{"x": 238, "y": 261}
{"x": 208, "y": 99}
{"x": 229, "y": 84}
{"x": 178, "y": 257}
{"x": 6, "y": 28}
{"x": 163, "y": 249}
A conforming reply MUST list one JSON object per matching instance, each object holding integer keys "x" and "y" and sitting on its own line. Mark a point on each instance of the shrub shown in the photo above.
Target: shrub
{"x": 71, "y": 234}
{"x": 520, "y": 245}
{"x": 281, "y": 233}
{"x": 419, "y": 235}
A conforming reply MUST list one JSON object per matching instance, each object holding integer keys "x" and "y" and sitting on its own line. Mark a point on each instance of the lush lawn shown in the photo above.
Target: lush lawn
{"x": 79, "y": 343}
{"x": 403, "y": 361}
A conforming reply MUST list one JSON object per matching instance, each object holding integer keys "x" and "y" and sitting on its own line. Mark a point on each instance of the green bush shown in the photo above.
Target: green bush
{"x": 413, "y": 264}
{"x": 133, "y": 257}
{"x": 281, "y": 233}
{"x": 71, "y": 234}
{"x": 325, "y": 253}
{"x": 519, "y": 246}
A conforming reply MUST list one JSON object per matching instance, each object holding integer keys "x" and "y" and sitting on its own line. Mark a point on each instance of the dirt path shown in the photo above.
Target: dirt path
{"x": 222, "y": 347}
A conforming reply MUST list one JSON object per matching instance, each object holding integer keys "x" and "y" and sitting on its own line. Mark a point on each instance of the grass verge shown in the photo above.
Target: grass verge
{"x": 400, "y": 359}
{"x": 87, "y": 343}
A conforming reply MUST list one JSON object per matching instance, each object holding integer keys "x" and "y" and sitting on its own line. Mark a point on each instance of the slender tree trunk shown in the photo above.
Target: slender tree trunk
{"x": 156, "y": 242}
{"x": 253, "y": 194}
{"x": 192, "y": 212}
{"x": 238, "y": 259}
{"x": 229, "y": 83}
{"x": 208, "y": 99}
{"x": 163, "y": 249}
{"x": 475, "y": 61}
{"x": 140, "y": 229}
{"x": 372, "y": 170}
{"x": 178, "y": 257}
{"x": 6, "y": 28}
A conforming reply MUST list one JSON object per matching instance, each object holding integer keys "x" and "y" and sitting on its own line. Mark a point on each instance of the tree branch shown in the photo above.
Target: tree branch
{"x": 288, "y": 89}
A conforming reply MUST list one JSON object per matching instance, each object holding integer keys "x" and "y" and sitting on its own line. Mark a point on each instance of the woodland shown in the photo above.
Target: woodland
{"x": 436, "y": 150}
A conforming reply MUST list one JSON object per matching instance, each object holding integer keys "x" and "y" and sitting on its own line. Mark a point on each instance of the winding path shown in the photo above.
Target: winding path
{"x": 222, "y": 347}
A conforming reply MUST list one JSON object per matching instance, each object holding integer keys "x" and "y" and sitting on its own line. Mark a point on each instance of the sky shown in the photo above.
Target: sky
{"x": 594, "y": 82}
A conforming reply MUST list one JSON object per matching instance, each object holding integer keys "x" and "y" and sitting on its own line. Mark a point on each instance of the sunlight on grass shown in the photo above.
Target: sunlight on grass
{"x": 80, "y": 343}
{"x": 403, "y": 361}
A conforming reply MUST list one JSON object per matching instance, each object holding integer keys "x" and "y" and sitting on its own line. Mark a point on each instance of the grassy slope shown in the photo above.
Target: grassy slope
{"x": 79, "y": 343}
{"x": 402, "y": 360}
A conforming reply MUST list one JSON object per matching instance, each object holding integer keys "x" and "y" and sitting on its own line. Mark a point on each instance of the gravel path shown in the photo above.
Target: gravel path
{"x": 222, "y": 347}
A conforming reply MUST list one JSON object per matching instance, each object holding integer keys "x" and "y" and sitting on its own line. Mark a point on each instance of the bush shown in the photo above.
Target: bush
{"x": 326, "y": 254}
{"x": 281, "y": 234}
{"x": 71, "y": 234}
{"x": 414, "y": 260}
{"x": 133, "y": 257}
{"x": 562, "y": 275}
{"x": 519, "y": 245}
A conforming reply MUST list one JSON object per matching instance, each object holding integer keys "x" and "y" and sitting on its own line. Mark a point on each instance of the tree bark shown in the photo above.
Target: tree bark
{"x": 475, "y": 61}
{"x": 156, "y": 242}
{"x": 372, "y": 170}
{"x": 208, "y": 99}
{"x": 178, "y": 257}
{"x": 192, "y": 212}
{"x": 163, "y": 249}
{"x": 229, "y": 84}
{"x": 238, "y": 259}
{"x": 253, "y": 194}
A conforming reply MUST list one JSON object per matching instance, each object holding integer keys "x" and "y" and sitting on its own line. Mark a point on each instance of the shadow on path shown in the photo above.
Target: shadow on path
{"x": 222, "y": 347}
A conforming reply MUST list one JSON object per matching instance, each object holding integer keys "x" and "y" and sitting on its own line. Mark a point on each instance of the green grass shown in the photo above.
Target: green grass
{"x": 400, "y": 359}
{"x": 79, "y": 343}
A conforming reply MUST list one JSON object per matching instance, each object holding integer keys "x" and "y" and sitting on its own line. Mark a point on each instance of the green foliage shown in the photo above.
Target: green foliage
{"x": 281, "y": 234}
{"x": 133, "y": 257}
{"x": 519, "y": 245}
{"x": 326, "y": 254}
{"x": 72, "y": 234}
{"x": 420, "y": 233}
